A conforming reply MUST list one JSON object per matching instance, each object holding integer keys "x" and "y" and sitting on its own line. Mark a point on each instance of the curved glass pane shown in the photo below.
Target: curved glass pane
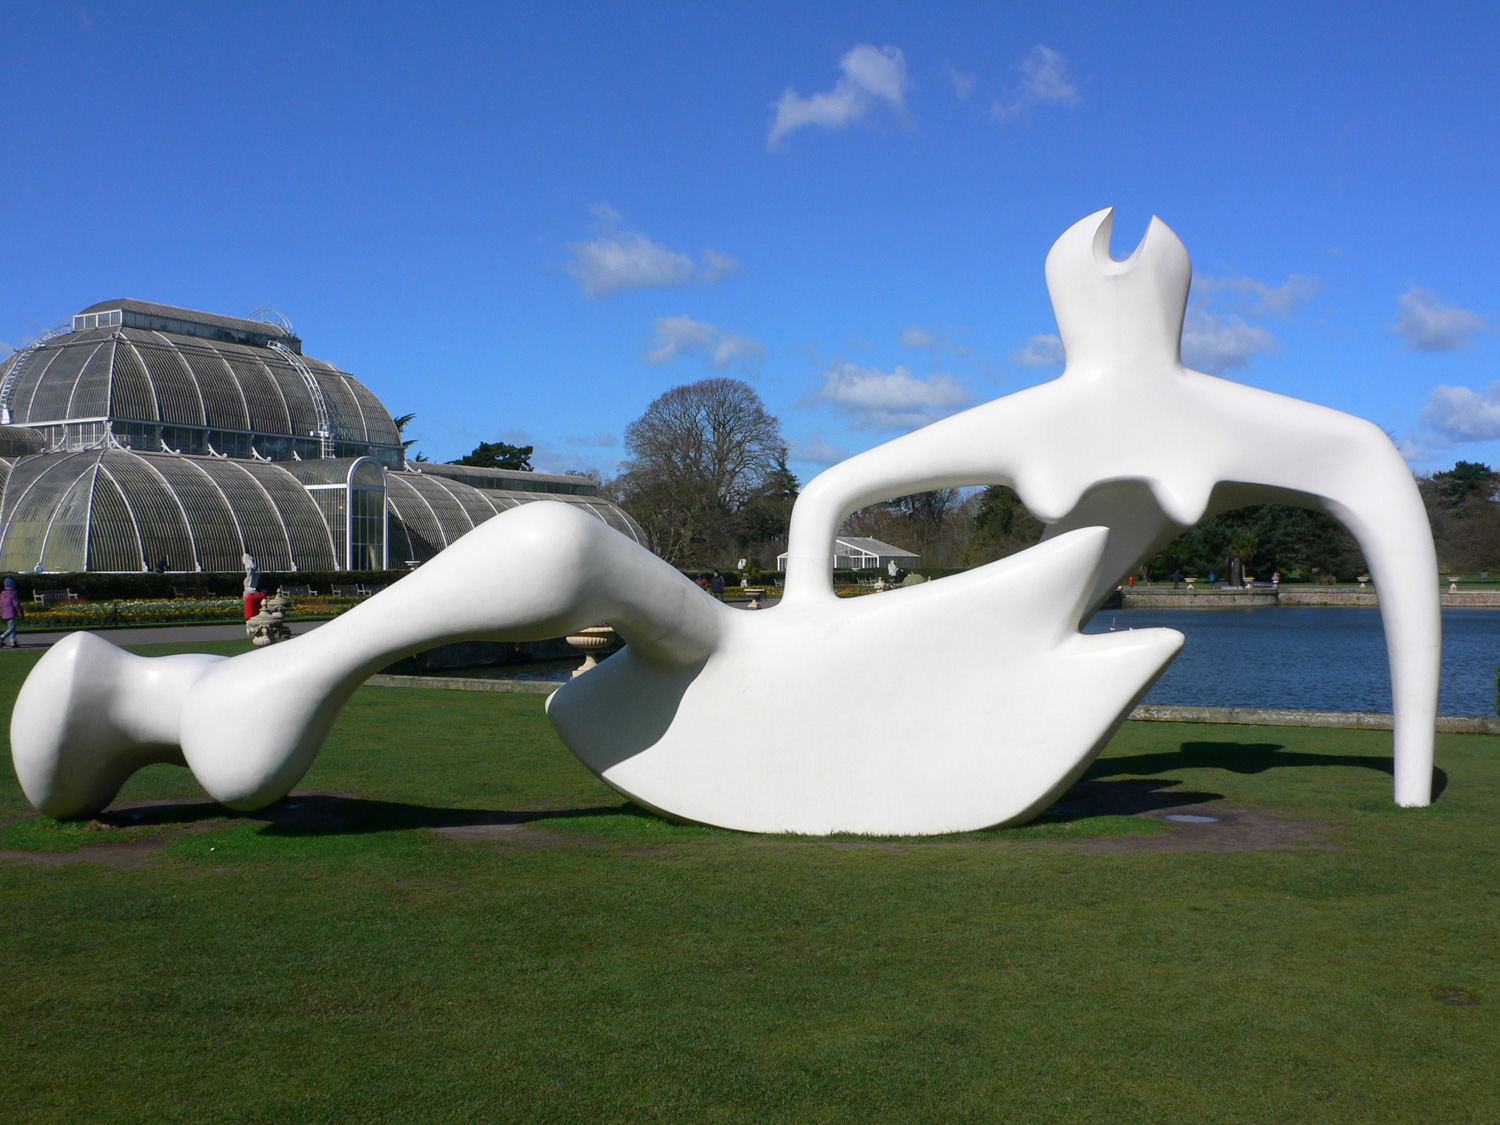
{"x": 36, "y": 486}
{"x": 176, "y": 391}
{"x": 258, "y": 519}
{"x": 130, "y": 394}
{"x": 210, "y": 519}
{"x": 418, "y": 524}
{"x": 366, "y": 474}
{"x": 113, "y": 544}
{"x": 66, "y": 548}
{"x": 223, "y": 405}
{"x": 50, "y": 402}
{"x": 158, "y": 518}
{"x": 91, "y": 392}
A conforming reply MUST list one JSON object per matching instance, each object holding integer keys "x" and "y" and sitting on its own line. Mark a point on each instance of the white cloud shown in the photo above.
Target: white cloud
{"x": 963, "y": 84}
{"x": 6, "y": 347}
{"x": 682, "y": 335}
{"x": 626, "y": 260}
{"x": 717, "y": 266}
{"x": 1044, "y": 81}
{"x": 1041, "y": 350}
{"x": 814, "y": 450}
{"x": 1416, "y": 451}
{"x": 1219, "y": 341}
{"x": 1460, "y": 414}
{"x": 1431, "y": 326}
{"x": 871, "y": 75}
{"x": 601, "y": 440}
{"x": 1215, "y": 343}
{"x": 561, "y": 457}
{"x": 622, "y": 259}
{"x": 1260, "y": 298}
{"x": 895, "y": 400}
{"x": 915, "y": 336}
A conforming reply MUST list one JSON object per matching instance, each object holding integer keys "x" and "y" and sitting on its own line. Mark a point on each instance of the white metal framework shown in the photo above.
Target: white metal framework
{"x": 23, "y": 361}
{"x": 326, "y": 421}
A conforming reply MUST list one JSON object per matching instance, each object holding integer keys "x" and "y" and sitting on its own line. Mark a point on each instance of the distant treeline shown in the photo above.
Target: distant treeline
{"x": 1462, "y": 506}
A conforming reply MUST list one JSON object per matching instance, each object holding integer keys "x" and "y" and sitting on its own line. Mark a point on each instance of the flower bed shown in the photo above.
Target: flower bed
{"x": 174, "y": 611}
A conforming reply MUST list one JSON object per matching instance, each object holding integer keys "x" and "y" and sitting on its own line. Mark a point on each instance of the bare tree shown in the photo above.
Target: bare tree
{"x": 698, "y": 455}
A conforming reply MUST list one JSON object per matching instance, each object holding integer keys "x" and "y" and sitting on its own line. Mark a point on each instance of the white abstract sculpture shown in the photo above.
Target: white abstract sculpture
{"x": 743, "y": 720}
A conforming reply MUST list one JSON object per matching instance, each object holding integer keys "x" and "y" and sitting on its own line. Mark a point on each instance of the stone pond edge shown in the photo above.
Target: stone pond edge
{"x": 1146, "y": 712}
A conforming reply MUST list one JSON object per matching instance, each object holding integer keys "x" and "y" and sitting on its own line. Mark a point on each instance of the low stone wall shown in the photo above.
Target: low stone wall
{"x": 1193, "y": 599}
{"x": 1326, "y": 595}
{"x": 1263, "y": 717}
{"x": 1159, "y": 597}
{"x": 1477, "y": 599}
{"x": 459, "y": 683}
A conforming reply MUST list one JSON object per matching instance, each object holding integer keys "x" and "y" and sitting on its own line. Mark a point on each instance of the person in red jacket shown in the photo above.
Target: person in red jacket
{"x": 10, "y": 613}
{"x": 253, "y": 598}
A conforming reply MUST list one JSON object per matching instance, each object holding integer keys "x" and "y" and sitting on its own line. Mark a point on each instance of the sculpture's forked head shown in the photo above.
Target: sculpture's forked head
{"x": 1119, "y": 316}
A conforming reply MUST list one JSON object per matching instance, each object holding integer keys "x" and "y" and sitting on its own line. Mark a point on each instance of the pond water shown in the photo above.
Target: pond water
{"x": 1309, "y": 659}
{"x": 1304, "y": 658}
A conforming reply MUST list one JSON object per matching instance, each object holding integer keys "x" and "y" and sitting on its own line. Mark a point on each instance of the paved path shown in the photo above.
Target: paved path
{"x": 169, "y": 634}
{"x": 164, "y": 634}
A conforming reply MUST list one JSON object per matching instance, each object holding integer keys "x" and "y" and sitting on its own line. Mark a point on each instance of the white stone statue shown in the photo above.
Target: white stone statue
{"x": 252, "y": 572}
{"x": 1117, "y": 456}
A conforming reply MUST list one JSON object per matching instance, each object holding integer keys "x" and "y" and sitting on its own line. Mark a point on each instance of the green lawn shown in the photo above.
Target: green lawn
{"x": 475, "y": 929}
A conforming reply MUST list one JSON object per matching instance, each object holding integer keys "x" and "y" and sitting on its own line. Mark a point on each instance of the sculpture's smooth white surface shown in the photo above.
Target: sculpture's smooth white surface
{"x": 750, "y": 720}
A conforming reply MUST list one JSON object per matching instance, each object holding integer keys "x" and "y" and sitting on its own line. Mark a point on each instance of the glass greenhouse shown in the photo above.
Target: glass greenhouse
{"x": 859, "y": 553}
{"x": 148, "y": 433}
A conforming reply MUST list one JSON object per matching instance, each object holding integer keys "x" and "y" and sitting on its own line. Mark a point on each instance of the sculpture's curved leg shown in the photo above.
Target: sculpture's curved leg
{"x": 89, "y": 714}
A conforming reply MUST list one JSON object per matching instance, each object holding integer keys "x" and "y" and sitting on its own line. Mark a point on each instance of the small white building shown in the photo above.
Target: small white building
{"x": 854, "y": 553}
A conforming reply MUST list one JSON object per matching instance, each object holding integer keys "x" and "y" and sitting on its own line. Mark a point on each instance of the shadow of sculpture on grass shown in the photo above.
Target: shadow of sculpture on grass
{"x": 1243, "y": 758}
{"x": 1092, "y": 798}
{"x": 323, "y": 814}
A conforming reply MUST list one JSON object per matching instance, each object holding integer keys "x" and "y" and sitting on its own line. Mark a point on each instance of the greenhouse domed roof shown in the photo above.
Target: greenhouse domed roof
{"x": 135, "y": 361}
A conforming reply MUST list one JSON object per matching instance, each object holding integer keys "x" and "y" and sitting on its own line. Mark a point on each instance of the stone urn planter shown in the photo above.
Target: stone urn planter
{"x": 754, "y": 593}
{"x": 269, "y": 625}
{"x": 593, "y": 640}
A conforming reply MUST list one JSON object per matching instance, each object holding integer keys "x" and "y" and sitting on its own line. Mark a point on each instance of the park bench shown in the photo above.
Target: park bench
{"x": 190, "y": 592}
{"x": 347, "y": 591}
{"x": 370, "y": 591}
{"x": 296, "y": 591}
{"x": 1325, "y": 580}
{"x": 48, "y": 597}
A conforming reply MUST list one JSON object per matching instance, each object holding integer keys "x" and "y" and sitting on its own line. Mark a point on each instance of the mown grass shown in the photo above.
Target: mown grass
{"x": 377, "y": 969}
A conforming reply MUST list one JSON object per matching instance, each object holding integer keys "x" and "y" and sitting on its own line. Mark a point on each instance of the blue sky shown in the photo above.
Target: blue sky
{"x": 526, "y": 223}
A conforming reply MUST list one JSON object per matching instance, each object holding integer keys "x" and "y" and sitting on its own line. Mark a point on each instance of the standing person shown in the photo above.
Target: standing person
{"x": 10, "y": 612}
{"x": 253, "y": 598}
{"x": 716, "y": 585}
